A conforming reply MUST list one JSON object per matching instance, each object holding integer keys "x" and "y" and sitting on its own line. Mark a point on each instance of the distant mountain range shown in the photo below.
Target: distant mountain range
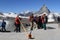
{"x": 25, "y": 15}
{"x": 28, "y": 13}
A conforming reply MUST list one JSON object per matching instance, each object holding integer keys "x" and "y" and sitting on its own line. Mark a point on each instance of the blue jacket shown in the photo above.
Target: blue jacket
{"x": 3, "y": 24}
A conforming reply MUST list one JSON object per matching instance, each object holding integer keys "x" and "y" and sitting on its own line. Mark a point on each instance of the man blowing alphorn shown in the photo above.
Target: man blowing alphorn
{"x": 31, "y": 19}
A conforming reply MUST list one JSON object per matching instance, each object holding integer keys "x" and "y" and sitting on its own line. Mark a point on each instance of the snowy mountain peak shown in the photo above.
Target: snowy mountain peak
{"x": 44, "y": 9}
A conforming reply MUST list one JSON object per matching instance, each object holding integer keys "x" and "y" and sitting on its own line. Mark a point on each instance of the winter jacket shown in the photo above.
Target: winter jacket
{"x": 3, "y": 24}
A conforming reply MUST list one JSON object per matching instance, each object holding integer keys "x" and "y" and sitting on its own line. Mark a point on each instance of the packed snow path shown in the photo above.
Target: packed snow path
{"x": 52, "y": 33}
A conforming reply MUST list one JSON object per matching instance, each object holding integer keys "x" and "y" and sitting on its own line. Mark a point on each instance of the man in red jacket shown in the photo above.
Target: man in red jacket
{"x": 17, "y": 23}
{"x": 44, "y": 20}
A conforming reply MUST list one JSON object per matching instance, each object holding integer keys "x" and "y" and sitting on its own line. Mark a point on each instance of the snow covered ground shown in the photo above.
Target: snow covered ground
{"x": 52, "y": 33}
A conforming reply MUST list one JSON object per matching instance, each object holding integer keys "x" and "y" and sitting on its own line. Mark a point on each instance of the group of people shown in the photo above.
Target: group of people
{"x": 17, "y": 24}
{"x": 40, "y": 21}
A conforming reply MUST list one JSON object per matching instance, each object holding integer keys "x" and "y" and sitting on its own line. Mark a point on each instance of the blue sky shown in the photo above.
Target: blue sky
{"x": 31, "y": 5}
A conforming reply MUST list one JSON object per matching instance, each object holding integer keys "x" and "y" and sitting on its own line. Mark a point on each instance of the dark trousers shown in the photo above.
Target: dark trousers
{"x": 39, "y": 25}
{"x": 44, "y": 26}
{"x": 3, "y": 29}
{"x": 17, "y": 28}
